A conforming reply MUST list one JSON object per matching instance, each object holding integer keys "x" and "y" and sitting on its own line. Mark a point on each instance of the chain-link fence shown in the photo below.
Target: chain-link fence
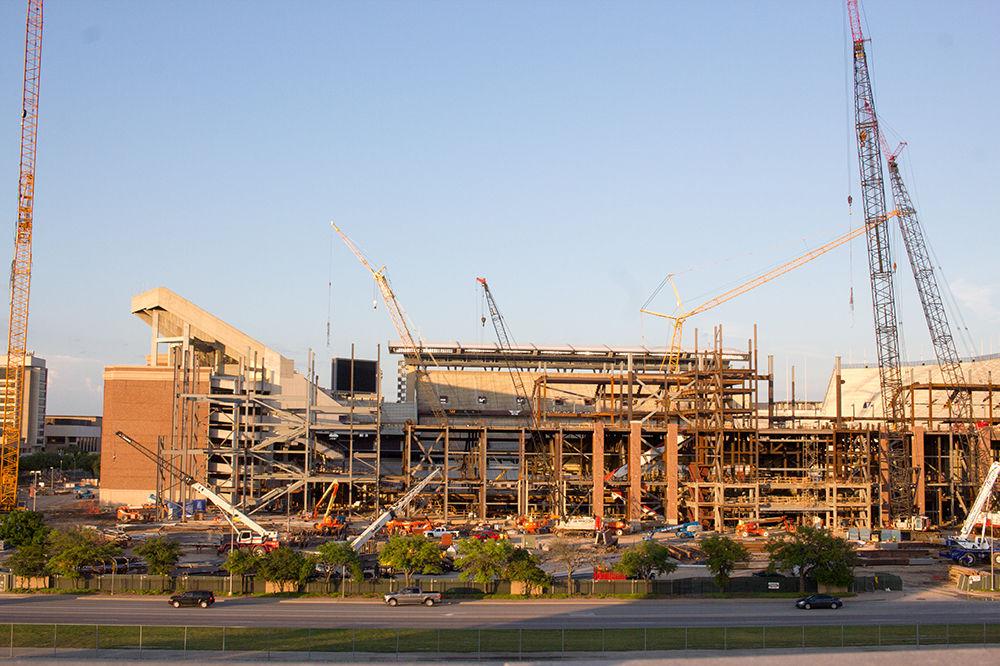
{"x": 108, "y": 640}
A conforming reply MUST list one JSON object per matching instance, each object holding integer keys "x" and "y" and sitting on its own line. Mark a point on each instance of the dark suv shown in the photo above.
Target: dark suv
{"x": 819, "y": 601}
{"x": 201, "y": 598}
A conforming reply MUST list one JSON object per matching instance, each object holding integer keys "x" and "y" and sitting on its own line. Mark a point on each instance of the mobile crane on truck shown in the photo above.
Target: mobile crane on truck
{"x": 389, "y": 514}
{"x": 250, "y": 535}
{"x": 968, "y": 549}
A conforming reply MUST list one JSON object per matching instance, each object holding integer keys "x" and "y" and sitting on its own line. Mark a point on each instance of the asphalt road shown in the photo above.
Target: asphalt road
{"x": 583, "y": 614}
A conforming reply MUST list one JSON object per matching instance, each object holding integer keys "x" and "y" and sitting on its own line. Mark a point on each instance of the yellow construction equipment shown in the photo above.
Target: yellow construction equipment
{"x": 20, "y": 268}
{"x": 399, "y": 320}
{"x": 672, "y": 358}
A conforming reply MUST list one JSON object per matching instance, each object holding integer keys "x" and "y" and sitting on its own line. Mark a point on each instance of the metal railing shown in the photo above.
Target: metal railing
{"x": 106, "y": 640}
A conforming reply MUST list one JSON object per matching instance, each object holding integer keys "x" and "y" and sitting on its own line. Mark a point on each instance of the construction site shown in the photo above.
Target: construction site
{"x": 531, "y": 431}
{"x": 506, "y": 435}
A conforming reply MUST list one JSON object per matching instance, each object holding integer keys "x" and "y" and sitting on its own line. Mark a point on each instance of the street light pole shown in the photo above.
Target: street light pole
{"x": 986, "y": 519}
{"x": 34, "y": 490}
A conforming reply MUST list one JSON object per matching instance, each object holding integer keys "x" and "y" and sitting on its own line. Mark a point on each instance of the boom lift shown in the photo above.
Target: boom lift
{"x": 329, "y": 525}
{"x": 20, "y": 267}
{"x": 390, "y": 513}
{"x": 252, "y": 536}
{"x": 399, "y": 320}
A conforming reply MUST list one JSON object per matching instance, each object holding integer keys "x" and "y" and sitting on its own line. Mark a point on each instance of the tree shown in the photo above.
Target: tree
{"x": 817, "y": 554}
{"x": 483, "y": 561}
{"x": 68, "y": 459}
{"x": 523, "y": 567}
{"x": 70, "y": 550}
{"x": 645, "y": 559}
{"x": 29, "y": 560}
{"x": 340, "y": 554}
{"x": 569, "y": 556}
{"x": 161, "y": 555}
{"x": 723, "y": 553}
{"x": 23, "y": 527}
{"x": 285, "y": 566}
{"x": 411, "y": 554}
{"x": 241, "y": 562}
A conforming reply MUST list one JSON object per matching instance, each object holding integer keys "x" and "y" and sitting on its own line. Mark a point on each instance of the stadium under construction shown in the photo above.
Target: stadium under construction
{"x": 620, "y": 433}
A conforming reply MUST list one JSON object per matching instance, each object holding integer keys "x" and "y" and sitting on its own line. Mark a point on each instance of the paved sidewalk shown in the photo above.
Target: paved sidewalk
{"x": 925, "y": 656}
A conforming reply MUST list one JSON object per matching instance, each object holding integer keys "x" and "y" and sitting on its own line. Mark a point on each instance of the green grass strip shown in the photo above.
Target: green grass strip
{"x": 487, "y": 641}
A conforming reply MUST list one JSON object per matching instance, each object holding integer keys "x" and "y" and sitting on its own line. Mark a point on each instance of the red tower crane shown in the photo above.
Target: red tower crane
{"x": 20, "y": 269}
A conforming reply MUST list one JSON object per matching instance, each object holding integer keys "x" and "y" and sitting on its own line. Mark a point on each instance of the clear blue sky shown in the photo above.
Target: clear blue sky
{"x": 572, "y": 152}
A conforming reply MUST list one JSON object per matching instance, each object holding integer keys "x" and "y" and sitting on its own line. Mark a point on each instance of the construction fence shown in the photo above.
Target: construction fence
{"x": 223, "y": 585}
{"x": 111, "y": 640}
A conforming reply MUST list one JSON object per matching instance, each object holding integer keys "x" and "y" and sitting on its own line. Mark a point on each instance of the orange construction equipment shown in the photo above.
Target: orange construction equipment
{"x": 409, "y": 526}
{"x": 760, "y": 527}
{"x": 751, "y": 528}
{"x": 20, "y": 268}
{"x": 533, "y": 524}
{"x": 329, "y": 525}
{"x": 136, "y": 514}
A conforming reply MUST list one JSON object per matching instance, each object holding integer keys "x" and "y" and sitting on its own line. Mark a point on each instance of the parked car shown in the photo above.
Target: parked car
{"x": 483, "y": 535}
{"x": 202, "y": 598}
{"x": 439, "y": 532}
{"x": 412, "y": 595}
{"x": 85, "y": 494}
{"x": 819, "y": 601}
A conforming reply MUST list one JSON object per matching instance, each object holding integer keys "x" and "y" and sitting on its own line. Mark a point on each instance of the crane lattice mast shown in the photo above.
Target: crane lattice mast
{"x": 506, "y": 344}
{"x": 399, "y": 322}
{"x": 536, "y": 442}
{"x": 900, "y": 475}
{"x": 937, "y": 318}
{"x": 20, "y": 270}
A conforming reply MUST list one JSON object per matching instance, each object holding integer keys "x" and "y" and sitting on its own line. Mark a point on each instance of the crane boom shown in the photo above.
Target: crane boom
{"x": 231, "y": 513}
{"x": 879, "y": 252}
{"x": 20, "y": 268}
{"x": 899, "y": 484}
{"x": 390, "y": 513}
{"x": 679, "y": 319}
{"x": 504, "y": 338}
{"x": 537, "y": 440}
{"x": 935, "y": 314}
{"x": 399, "y": 320}
{"x": 980, "y": 504}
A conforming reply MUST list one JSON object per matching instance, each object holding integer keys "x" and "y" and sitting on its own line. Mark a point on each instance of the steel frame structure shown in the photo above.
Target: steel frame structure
{"x": 697, "y": 447}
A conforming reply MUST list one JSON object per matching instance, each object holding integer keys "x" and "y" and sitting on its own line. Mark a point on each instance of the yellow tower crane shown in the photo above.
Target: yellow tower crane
{"x": 20, "y": 268}
{"x": 672, "y": 359}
